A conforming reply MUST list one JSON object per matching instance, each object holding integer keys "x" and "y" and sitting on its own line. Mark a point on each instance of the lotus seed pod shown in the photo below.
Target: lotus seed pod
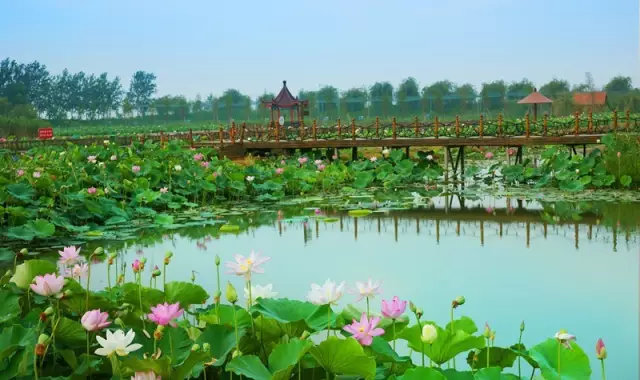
{"x": 412, "y": 307}
{"x": 43, "y": 339}
{"x": 195, "y": 348}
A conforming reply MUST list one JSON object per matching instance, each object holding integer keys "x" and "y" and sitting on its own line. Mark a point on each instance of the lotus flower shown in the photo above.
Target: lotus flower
{"x": 78, "y": 271}
{"x": 511, "y": 152}
{"x": 367, "y": 290}
{"x": 317, "y": 162}
{"x": 601, "y": 351}
{"x": 327, "y": 294}
{"x": 145, "y": 376}
{"x": 3, "y": 139}
{"x": 429, "y": 158}
{"x": 250, "y": 178}
{"x": 618, "y": 154}
{"x": 165, "y": 314}
{"x": 373, "y": 159}
{"x": 164, "y": 190}
{"x": 258, "y": 291}
{"x": 136, "y": 265}
{"x": 92, "y": 159}
{"x": 135, "y": 168}
{"x": 117, "y": 342}
{"x": 94, "y": 320}
{"x": 114, "y": 157}
{"x": 36, "y": 174}
{"x": 321, "y": 168}
{"x": 429, "y": 334}
{"x": 393, "y": 309}
{"x": 279, "y": 171}
{"x": 198, "y": 156}
{"x": 365, "y": 330}
{"x": 335, "y": 157}
{"x": 565, "y": 338}
{"x": 69, "y": 255}
{"x": 488, "y": 155}
{"x": 205, "y": 164}
{"x": 244, "y": 266}
{"x": 91, "y": 190}
{"x": 19, "y": 172}
{"x": 177, "y": 168}
{"x": 385, "y": 152}
{"x": 48, "y": 285}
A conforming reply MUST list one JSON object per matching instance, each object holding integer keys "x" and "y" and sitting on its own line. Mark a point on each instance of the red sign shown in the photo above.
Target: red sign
{"x": 45, "y": 133}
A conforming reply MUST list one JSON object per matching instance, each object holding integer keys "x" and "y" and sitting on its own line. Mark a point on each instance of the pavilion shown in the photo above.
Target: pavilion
{"x": 285, "y": 100}
{"x": 535, "y": 98}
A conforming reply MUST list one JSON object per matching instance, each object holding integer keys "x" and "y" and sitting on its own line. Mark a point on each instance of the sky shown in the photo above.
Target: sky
{"x": 207, "y": 46}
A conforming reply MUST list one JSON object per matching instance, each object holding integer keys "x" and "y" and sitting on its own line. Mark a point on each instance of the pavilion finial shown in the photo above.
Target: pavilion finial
{"x": 284, "y": 83}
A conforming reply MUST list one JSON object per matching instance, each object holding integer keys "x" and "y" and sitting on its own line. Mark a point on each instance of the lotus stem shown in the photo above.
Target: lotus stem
{"x": 164, "y": 278}
{"x": 430, "y": 360}
{"x": 393, "y": 327}
{"x": 109, "y": 279}
{"x": 421, "y": 342}
{"x": 299, "y": 370}
{"x": 604, "y": 377}
{"x": 488, "y": 352}
{"x": 452, "y": 334}
{"x": 144, "y": 325}
{"x": 368, "y": 314}
{"x": 559, "y": 348}
{"x": 88, "y": 352}
{"x": 35, "y": 364}
{"x": 328, "y": 324}
{"x": 88, "y": 281}
{"x": 235, "y": 323}
{"x": 218, "y": 293}
{"x": 519, "y": 347}
{"x": 253, "y": 328}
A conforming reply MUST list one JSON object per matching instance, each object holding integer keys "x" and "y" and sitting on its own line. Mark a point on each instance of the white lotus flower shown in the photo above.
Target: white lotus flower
{"x": 565, "y": 338}
{"x": 117, "y": 342}
{"x": 367, "y": 290}
{"x": 385, "y": 152}
{"x": 177, "y": 168}
{"x": 327, "y": 294}
{"x": 429, "y": 157}
{"x": 258, "y": 291}
{"x": 429, "y": 334}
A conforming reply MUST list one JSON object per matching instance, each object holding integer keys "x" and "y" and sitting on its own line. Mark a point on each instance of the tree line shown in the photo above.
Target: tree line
{"x": 30, "y": 90}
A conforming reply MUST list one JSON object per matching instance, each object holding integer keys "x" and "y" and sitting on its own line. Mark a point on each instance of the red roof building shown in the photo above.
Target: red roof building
{"x": 596, "y": 98}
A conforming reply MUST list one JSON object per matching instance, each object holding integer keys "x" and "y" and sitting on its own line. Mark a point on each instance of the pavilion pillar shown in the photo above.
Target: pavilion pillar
{"x": 291, "y": 119}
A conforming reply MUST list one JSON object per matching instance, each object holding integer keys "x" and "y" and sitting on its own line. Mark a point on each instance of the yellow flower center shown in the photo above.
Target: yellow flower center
{"x": 249, "y": 261}
{"x": 361, "y": 329}
{"x": 244, "y": 267}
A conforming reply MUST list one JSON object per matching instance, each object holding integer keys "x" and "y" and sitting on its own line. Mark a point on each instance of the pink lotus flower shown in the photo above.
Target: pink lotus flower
{"x": 619, "y": 154}
{"x": 135, "y": 168}
{"x": 488, "y": 155}
{"x": 335, "y": 156}
{"x": 365, "y": 330}
{"x": 48, "y": 285}
{"x": 394, "y": 309}
{"x": 92, "y": 159}
{"x": 164, "y": 190}
{"x": 317, "y": 162}
{"x": 511, "y": 152}
{"x": 3, "y": 139}
{"x": 205, "y": 164}
{"x": 198, "y": 156}
{"x": 91, "y": 190}
{"x": 244, "y": 266}
{"x": 318, "y": 211}
{"x": 302, "y": 160}
{"x": 78, "y": 271}
{"x": 601, "y": 352}
{"x": 136, "y": 265}
{"x": 321, "y": 168}
{"x": 36, "y": 174}
{"x": 490, "y": 210}
{"x": 94, "y": 320}
{"x": 165, "y": 314}
{"x": 69, "y": 255}
{"x": 283, "y": 162}
{"x": 20, "y": 172}
{"x": 279, "y": 171}
{"x": 146, "y": 376}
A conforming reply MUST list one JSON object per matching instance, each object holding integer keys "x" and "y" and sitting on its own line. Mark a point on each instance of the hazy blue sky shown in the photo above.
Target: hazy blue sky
{"x": 210, "y": 45}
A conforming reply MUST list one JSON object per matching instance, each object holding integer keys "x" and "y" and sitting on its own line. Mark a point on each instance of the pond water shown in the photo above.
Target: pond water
{"x": 512, "y": 260}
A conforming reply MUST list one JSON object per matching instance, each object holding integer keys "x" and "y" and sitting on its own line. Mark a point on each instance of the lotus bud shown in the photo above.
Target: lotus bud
{"x": 49, "y": 311}
{"x": 119, "y": 322}
{"x": 23, "y": 252}
{"x": 459, "y": 301}
{"x": 487, "y": 331}
{"x": 231, "y": 294}
{"x": 429, "y": 334}
{"x": 412, "y": 307}
{"x": 306, "y": 334}
{"x": 98, "y": 251}
{"x": 193, "y": 276}
{"x": 493, "y": 336}
{"x": 167, "y": 257}
{"x": 206, "y": 347}
{"x": 195, "y": 348}
{"x": 217, "y": 260}
{"x": 419, "y": 313}
{"x": 522, "y": 326}
{"x": 43, "y": 339}
{"x": 601, "y": 351}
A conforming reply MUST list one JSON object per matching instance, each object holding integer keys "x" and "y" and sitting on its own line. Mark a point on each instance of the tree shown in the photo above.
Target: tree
{"x": 328, "y": 101}
{"x": 408, "y": 97}
{"x": 619, "y": 85}
{"x": 142, "y": 87}
{"x": 434, "y": 95}
{"x": 381, "y": 98}
{"x": 468, "y": 95}
{"x": 555, "y": 88}
{"x": 312, "y": 97}
{"x": 493, "y": 94}
{"x": 353, "y": 102}
{"x": 587, "y": 86}
{"x": 264, "y": 112}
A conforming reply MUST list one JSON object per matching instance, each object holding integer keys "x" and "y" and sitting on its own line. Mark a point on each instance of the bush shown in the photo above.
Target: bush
{"x": 21, "y": 126}
{"x": 627, "y": 164}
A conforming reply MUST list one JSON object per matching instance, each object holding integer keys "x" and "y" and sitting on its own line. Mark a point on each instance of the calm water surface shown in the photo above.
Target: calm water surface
{"x": 510, "y": 265}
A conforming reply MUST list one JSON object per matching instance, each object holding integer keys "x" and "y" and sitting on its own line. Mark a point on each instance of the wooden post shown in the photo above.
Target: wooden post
{"x": 499, "y": 125}
{"x": 416, "y": 126}
{"x": 191, "y": 136}
{"x": 233, "y": 132}
{"x": 162, "y": 139}
{"x": 315, "y": 126}
{"x": 615, "y": 120}
{"x": 457, "y": 126}
{"x": 339, "y": 130}
{"x": 276, "y": 125}
{"x": 377, "y": 127}
{"x": 221, "y": 134}
{"x": 480, "y": 129}
{"x": 244, "y": 125}
{"x": 576, "y": 130}
{"x": 393, "y": 127}
{"x": 527, "y": 125}
{"x": 545, "y": 122}
{"x": 627, "y": 122}
{"x": 301, "y": 128}
{"x": 353, "y": 129}
{"x": 590, "y": 124}
{"x": 435, "y": 127}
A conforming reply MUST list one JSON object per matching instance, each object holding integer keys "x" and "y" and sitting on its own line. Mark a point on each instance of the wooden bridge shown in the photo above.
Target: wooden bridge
{"x": 238, "y": 140}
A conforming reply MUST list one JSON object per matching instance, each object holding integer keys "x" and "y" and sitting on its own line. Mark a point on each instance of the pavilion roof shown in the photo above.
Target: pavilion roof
{"x": 535, "y": 98}
{"x": 284, "y": 99}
